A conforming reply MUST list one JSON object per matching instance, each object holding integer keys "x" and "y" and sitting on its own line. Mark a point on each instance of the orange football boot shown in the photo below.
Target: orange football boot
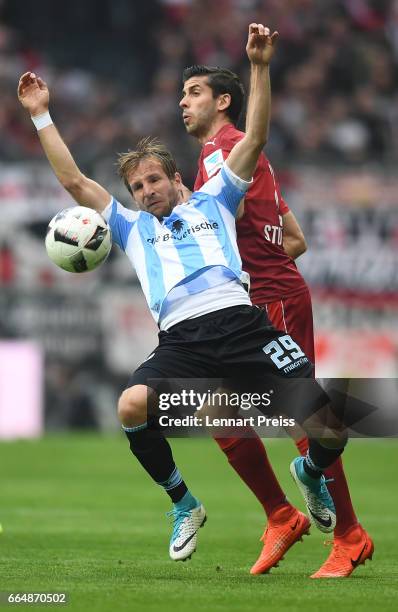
{"x": 286, "y": 526}
{"x": 351, "y": 549}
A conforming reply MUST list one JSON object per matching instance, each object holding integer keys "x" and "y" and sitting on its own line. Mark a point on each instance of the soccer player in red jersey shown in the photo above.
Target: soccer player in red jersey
{"x": 269, "y": 240}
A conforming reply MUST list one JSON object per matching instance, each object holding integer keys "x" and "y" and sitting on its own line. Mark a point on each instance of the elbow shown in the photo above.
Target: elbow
{"x": 259, "y": 142}
{"x": 302, "y": 246}
{"x": 295, "y": 247}
{"x": 256, "y": 140}
{"x": 72, "y": 184}
{"x": 299, "y": 248}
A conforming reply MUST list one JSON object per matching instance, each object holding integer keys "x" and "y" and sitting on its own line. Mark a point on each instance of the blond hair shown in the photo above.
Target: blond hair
{"x": 147, "y": 147}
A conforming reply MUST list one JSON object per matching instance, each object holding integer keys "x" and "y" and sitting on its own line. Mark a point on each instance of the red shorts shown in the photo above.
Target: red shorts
{"x": 294, "y": 316}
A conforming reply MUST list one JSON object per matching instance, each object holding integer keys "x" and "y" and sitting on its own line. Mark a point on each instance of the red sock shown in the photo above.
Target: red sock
{"x": 249, "y": 459}
{"x": 339, "y": 491}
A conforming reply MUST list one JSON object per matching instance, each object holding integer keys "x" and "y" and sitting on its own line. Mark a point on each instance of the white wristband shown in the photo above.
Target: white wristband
{"x": 42, "y": 121}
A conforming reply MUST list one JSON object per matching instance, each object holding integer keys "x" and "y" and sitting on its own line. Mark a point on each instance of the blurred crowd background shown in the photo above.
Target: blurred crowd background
{"x": 114, "y": 71}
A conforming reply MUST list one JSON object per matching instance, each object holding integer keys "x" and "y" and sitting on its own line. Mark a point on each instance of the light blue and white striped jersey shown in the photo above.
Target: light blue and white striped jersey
{"x": 190, "y": 251}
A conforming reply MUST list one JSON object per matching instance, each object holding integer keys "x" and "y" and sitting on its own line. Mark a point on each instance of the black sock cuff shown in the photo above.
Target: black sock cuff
{"x": 321, "y": 456}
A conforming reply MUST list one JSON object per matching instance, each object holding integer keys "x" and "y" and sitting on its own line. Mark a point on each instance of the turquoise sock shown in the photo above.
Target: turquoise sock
{"x": 188, "y": 502}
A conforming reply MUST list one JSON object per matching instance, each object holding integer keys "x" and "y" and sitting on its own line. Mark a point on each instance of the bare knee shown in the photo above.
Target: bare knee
{"x": 133, "y": 405}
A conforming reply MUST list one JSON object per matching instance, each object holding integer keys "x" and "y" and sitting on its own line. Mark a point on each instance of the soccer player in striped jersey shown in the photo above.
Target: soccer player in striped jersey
{"x": 188, "y": 264}
{"x": 269, "y": 239}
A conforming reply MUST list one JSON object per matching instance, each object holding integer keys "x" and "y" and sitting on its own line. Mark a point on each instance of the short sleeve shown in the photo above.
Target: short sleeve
{"x": 227, "y": 188}
{"x": 121, "y": 220}
{"x": 283, "y": 207}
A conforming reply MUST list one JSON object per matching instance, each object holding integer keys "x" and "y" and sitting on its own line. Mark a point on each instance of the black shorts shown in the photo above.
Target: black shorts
{"x": 238, "y": 345}
{"x": 225, "y": 343}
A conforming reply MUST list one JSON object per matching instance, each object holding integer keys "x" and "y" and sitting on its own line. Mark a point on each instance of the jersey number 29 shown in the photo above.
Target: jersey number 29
{"x": 283, "y": 351}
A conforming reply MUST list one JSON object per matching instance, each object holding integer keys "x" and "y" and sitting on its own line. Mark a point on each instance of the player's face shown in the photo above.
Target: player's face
{"x": 152, "y": 189}
{"x": 199, "y": 108}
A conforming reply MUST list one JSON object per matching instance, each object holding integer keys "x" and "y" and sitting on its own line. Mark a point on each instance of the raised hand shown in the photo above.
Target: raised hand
{"x": 260, "y": 44}
{"x": 33, "y": 93}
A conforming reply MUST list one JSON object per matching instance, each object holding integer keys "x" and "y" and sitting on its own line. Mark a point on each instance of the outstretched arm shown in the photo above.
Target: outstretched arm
{"x": 260, "y": 48}
{"x": 34, "y": 96}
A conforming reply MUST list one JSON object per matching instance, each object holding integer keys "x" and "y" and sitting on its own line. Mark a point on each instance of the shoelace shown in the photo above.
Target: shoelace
{"x": 323, "y": 490}
{"x": 178, "y": 517}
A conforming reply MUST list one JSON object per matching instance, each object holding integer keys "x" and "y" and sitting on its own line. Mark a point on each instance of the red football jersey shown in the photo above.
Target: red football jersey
{"x": 273, "y": 273}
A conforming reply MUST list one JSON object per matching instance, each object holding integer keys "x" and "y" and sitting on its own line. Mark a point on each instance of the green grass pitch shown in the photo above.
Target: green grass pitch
{"x": 79, "y": 515}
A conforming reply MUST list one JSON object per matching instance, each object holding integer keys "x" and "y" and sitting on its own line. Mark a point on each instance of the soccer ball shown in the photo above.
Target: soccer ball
{"x": 78, "y": 239}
